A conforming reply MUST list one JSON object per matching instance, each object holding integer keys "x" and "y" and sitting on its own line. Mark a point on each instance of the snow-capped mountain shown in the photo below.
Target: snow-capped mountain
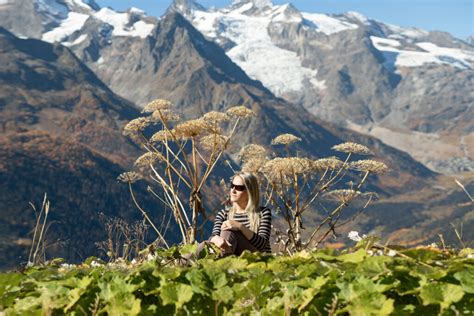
{"x": 66, "y": 21}
{"x": 409, "y": 87}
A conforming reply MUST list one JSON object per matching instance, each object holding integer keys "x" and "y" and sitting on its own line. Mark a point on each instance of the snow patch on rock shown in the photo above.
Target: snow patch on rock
{"x": 74, "y": 22}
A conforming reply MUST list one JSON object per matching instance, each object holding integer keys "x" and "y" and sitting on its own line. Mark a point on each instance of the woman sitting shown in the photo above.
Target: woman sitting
{"x": 245, "y": 225}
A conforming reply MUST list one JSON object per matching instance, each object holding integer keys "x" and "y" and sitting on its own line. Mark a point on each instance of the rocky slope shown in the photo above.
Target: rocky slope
{"x": 60, "y": 134}
{"x": 397, "y": 84}
{"x": 405, "y": 86}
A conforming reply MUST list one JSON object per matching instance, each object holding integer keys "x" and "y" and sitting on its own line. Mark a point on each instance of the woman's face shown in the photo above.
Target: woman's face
{"x": 238, "y": 192}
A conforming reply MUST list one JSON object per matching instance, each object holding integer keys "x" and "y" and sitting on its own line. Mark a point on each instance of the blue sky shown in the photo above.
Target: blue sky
{"x": 453, "y": 16}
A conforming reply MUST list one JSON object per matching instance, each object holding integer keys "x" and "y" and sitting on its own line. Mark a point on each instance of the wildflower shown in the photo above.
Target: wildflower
{"x": 191, "y": 128}
{"x": 369, "y": 166}
{"x": 129, "y": 177}
{"x": 135, "y": 126}
{"x": 370, "y": 252}
{"x": 161, "y": 136}
{"x": 285, "y": 139}
{"x": 343, "y": 195}
{"x": 353, "y": 235}
{"x": 214, "y": 142}
{"x": 327, "y": 163}
{"x": 148, "y": 158}
{"x": 391, "y": 253}
{"x": 155, "y": 105}
{"x": 240, "y": 112}
{"x": 95, "y": 264}
{"x": 355, "y": 148}
{"x": 252, "y": 151}
{"x": 215, "y": 117}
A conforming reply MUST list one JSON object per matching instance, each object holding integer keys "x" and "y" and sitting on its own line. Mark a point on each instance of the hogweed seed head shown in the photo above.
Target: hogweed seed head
{"x": 369, "y": 166}
{"x": 252, "y": 151}
{"x": 164, "y": 116}
{"x": 155, "y": 105}
{"x": 129, "y": 177}
{"x": 254, "y": 165}
{"x": 215, "y": 117}
{"x": 191, "y": 128}
{"x": 331, "y": 163}
{"x": 214, "y": 142}
{"x": 240, "y": 112}
{"x": 162, "y": 136}
{"x": 285, "y": 139}
{"x": 148, "y": 158}
{"x": 135, "y": 126}
{"x": 287, "y": 166}
{"x": 342, "y": 195}
{"x": 355, "y": 148}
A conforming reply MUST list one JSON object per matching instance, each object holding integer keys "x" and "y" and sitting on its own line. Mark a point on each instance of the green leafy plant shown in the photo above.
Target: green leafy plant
{"x": 423, "y": 281}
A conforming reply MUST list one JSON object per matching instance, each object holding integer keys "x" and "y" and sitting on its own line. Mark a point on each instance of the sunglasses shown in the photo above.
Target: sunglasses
{"x": 240, "y": 188}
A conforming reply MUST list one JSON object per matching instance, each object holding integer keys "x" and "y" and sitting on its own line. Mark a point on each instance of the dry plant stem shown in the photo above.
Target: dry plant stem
{"x": 148, "y": 145}
{"x": 464, "y": 189}
{"x": 46, "y": 211}
{"x": 173, "y": 199}
{"x": 178, "y": 204}
{"x": 338, "y": 209}
{"x": 38, "y": 218}
{"x": 459, "y": 235}
{"x": 174, "y": 195}
{"x": 181, "y": 148}
{"x": 146, "y": 215}
{"x": 214, "y": 163}
{"x": 357, "y": 213}
{"x": 157, "y": 196}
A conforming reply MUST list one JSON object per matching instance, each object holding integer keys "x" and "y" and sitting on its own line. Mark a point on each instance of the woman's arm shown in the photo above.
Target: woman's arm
{"x": 220, "y": 218}
{"x": 260, "y": 239}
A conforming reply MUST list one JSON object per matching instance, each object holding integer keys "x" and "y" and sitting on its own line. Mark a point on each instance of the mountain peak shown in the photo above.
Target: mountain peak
{"x": 256, "y": 3}
{"x": 185, "y": 7}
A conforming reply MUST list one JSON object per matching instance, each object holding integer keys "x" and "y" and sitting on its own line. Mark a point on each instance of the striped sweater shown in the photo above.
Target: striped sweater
{"x": 260, "y": 239}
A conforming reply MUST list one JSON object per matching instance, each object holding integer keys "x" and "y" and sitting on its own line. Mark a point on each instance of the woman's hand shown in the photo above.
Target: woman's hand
{"x": 220, "y": 242}
{"x": 231, "y": 225}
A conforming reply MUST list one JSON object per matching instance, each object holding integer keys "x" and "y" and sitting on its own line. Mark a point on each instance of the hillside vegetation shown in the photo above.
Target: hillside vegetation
{"x": 422, "y": 281}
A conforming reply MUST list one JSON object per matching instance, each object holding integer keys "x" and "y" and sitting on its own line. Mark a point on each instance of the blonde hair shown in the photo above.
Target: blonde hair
{"x": 252, "y": 210}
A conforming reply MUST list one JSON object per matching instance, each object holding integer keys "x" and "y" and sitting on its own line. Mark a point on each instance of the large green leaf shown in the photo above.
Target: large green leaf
{"x": 200, "y": 282}
{"x": 76, "y": 293}
{"x": 466, "y": 278}
{"x": 119, "y": 297}
{"x": 443, "y": 294}
{"x": 354, "y": 257}
{"x": 176, "y": 293}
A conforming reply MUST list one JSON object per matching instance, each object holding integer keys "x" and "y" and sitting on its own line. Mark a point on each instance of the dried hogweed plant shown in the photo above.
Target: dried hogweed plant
{"x": 293, "y": 184}
{"x": 180, "y": 156}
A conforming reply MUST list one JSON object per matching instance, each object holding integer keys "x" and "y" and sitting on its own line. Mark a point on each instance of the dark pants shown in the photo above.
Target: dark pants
{"x": 238, "y": 243}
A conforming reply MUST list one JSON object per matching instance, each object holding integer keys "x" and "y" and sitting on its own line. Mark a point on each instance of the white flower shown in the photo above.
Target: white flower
{"x": 150, "y": 257}
{"x": 134, "y": 261}
{"x": 95, "y": 264}
{"x": 370, "y": 252}
{"x": 392, "y": 253}
{"x": 470, "y": 256}
{"x": 353, "y": 235}
{"x": 434, "y": 245}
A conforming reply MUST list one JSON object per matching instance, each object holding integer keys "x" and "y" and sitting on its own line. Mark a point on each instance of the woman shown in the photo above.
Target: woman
{"x": 245, "y": 225}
